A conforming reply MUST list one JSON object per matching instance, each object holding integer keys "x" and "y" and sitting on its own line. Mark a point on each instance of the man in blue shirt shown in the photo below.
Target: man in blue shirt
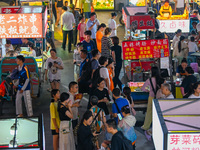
{"x": 92, "y": 25}
{"x": 88, "y": 44}
{"x": 83, "y": 56}
{"x": 120, "y": 102}
{"x": 24, "y": 88}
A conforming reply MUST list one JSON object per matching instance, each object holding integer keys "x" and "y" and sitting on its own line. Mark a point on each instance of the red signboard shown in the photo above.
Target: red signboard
{"x": 21, "y": 26}
{"x": 145, "y": 49}
{"x": 9, "y": 10}
{"x": 142, "y": 22}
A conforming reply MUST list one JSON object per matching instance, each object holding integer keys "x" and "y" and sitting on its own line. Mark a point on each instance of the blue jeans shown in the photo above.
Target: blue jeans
{"x": 189, "y": 54}
{"x": 87, "y": 15}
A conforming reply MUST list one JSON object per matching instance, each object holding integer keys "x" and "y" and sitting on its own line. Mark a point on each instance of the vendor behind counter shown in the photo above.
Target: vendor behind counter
{"x": 180, "y": 71}
{"x": 166, "y": 10}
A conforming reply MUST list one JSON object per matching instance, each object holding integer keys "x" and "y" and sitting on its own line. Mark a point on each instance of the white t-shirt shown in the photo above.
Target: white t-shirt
{"x": 67, "y": 20}
{"x": 74, "y": 109}
{"x": 192, "y": 47}
{"x": 171, "y": 96}
{"x": 104, "y": 73}
{"x": 180, "y": 3}
{"x": 33, "y": 54}
{"x": 193, "y": 96}
{"x": 53, "y": 72}
{"x": 112, "y": 25}
{"x": 175, "y": 39}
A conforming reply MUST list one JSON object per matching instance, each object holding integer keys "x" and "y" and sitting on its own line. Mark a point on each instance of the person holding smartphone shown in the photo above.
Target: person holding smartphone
{"x": 84, "y": 133}
{"x": 66, "y": 137}
{"x": 118, "y": 104}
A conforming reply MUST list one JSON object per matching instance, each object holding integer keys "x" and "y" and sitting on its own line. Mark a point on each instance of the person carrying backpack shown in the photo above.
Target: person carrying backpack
{"x": 101, "y": 72}
{"x": 99, "y": 118}
{"x": 126, "y": 125}
{"x": 119, "y": 141}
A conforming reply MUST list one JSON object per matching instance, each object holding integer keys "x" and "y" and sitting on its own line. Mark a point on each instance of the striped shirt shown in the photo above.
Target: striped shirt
{"x": 106, "y": 45}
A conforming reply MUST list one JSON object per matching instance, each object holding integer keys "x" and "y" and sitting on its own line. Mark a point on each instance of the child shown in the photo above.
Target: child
{"x": 55, "y": 120}
{"x": 192, "y": 46}
{"x": 166, "y": 90}
{"x": 100, "y": 119}
{"x": 88, "y": 44}
{"x": 126, "y": 125}
{"x": 77, "y": 60}
{"x": 127, "y": 95}
{"x": 81, "y": 28}
{"x": 116, "y": 55}
{"x": 196, "y": 91}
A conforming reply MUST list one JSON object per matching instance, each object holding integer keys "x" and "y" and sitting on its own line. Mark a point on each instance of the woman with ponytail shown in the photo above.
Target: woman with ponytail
{"x": 66, "y": 137}
{"x": 99, "y": 35}
{"x": 127, "y": 95}
{"x": 180, "y": 49}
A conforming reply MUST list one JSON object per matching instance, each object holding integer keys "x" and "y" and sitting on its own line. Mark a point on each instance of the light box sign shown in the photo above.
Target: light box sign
{"x": 21, "y": 25}
{"x": 171, "y": 26}
{"x": 145, "y": 49}
{"x": 142, "y": 22}
{"x": 187, "y": 141}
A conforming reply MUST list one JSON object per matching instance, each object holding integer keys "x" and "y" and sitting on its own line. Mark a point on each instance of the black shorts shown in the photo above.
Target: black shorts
{"x": 53, "y": 132}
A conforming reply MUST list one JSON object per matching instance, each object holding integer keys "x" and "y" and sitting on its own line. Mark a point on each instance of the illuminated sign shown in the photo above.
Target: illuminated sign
{"x": 184, "y": 141}
{"x": 145, "y": 49}
{"x": 171, "y": 26}
{"x": 21, "y": 25}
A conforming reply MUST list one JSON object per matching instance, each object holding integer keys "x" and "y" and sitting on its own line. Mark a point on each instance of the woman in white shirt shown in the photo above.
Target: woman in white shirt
{"x": 32, "y": 51}
{"x": 192, "y": 46}
{"x": 176, "y": 37}
{"x": 180, "y": 49}
{"x": 196, "y": 91}
{"x": 112, "y": 24}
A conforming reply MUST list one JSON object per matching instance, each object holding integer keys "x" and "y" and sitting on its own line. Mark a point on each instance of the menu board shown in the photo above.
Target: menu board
{"x": 21, "y": 25}
{"x": 145, "y": 49}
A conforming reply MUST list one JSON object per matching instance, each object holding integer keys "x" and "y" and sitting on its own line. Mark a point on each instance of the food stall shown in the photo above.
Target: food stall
{"x": 134, "y": 21}
{"x": 176, "y": 124}
{"x": 138, "y": 58}
{"x": 24, "y": 22}
{"x": 22, "y": 133}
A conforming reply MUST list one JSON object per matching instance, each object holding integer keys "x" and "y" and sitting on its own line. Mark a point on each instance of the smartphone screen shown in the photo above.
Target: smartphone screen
{"x": 119, "y": 116}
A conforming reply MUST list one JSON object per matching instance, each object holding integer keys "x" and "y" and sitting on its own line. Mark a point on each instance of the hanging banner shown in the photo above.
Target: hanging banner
{"x": 21, "y": 25}
{"x": 145, "y": 49}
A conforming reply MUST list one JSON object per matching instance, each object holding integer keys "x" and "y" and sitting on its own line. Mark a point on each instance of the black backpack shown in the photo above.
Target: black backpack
{"x": 127, "y": 144}
{"x": 87, "y": 71}
{"x": 96, "y": 76}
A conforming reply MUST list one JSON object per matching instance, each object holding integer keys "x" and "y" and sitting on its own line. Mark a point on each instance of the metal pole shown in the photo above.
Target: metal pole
{"x": 170, "y": 69}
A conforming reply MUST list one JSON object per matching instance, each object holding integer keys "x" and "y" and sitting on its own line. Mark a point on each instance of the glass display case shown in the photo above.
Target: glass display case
{"x": 22, "y": 133}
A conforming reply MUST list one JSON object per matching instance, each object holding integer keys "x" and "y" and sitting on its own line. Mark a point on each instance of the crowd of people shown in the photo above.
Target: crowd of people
{"x": 108, "y": 122}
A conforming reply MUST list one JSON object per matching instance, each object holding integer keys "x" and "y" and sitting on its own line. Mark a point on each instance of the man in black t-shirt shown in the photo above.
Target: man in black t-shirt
{"x": 116, "y": 142}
